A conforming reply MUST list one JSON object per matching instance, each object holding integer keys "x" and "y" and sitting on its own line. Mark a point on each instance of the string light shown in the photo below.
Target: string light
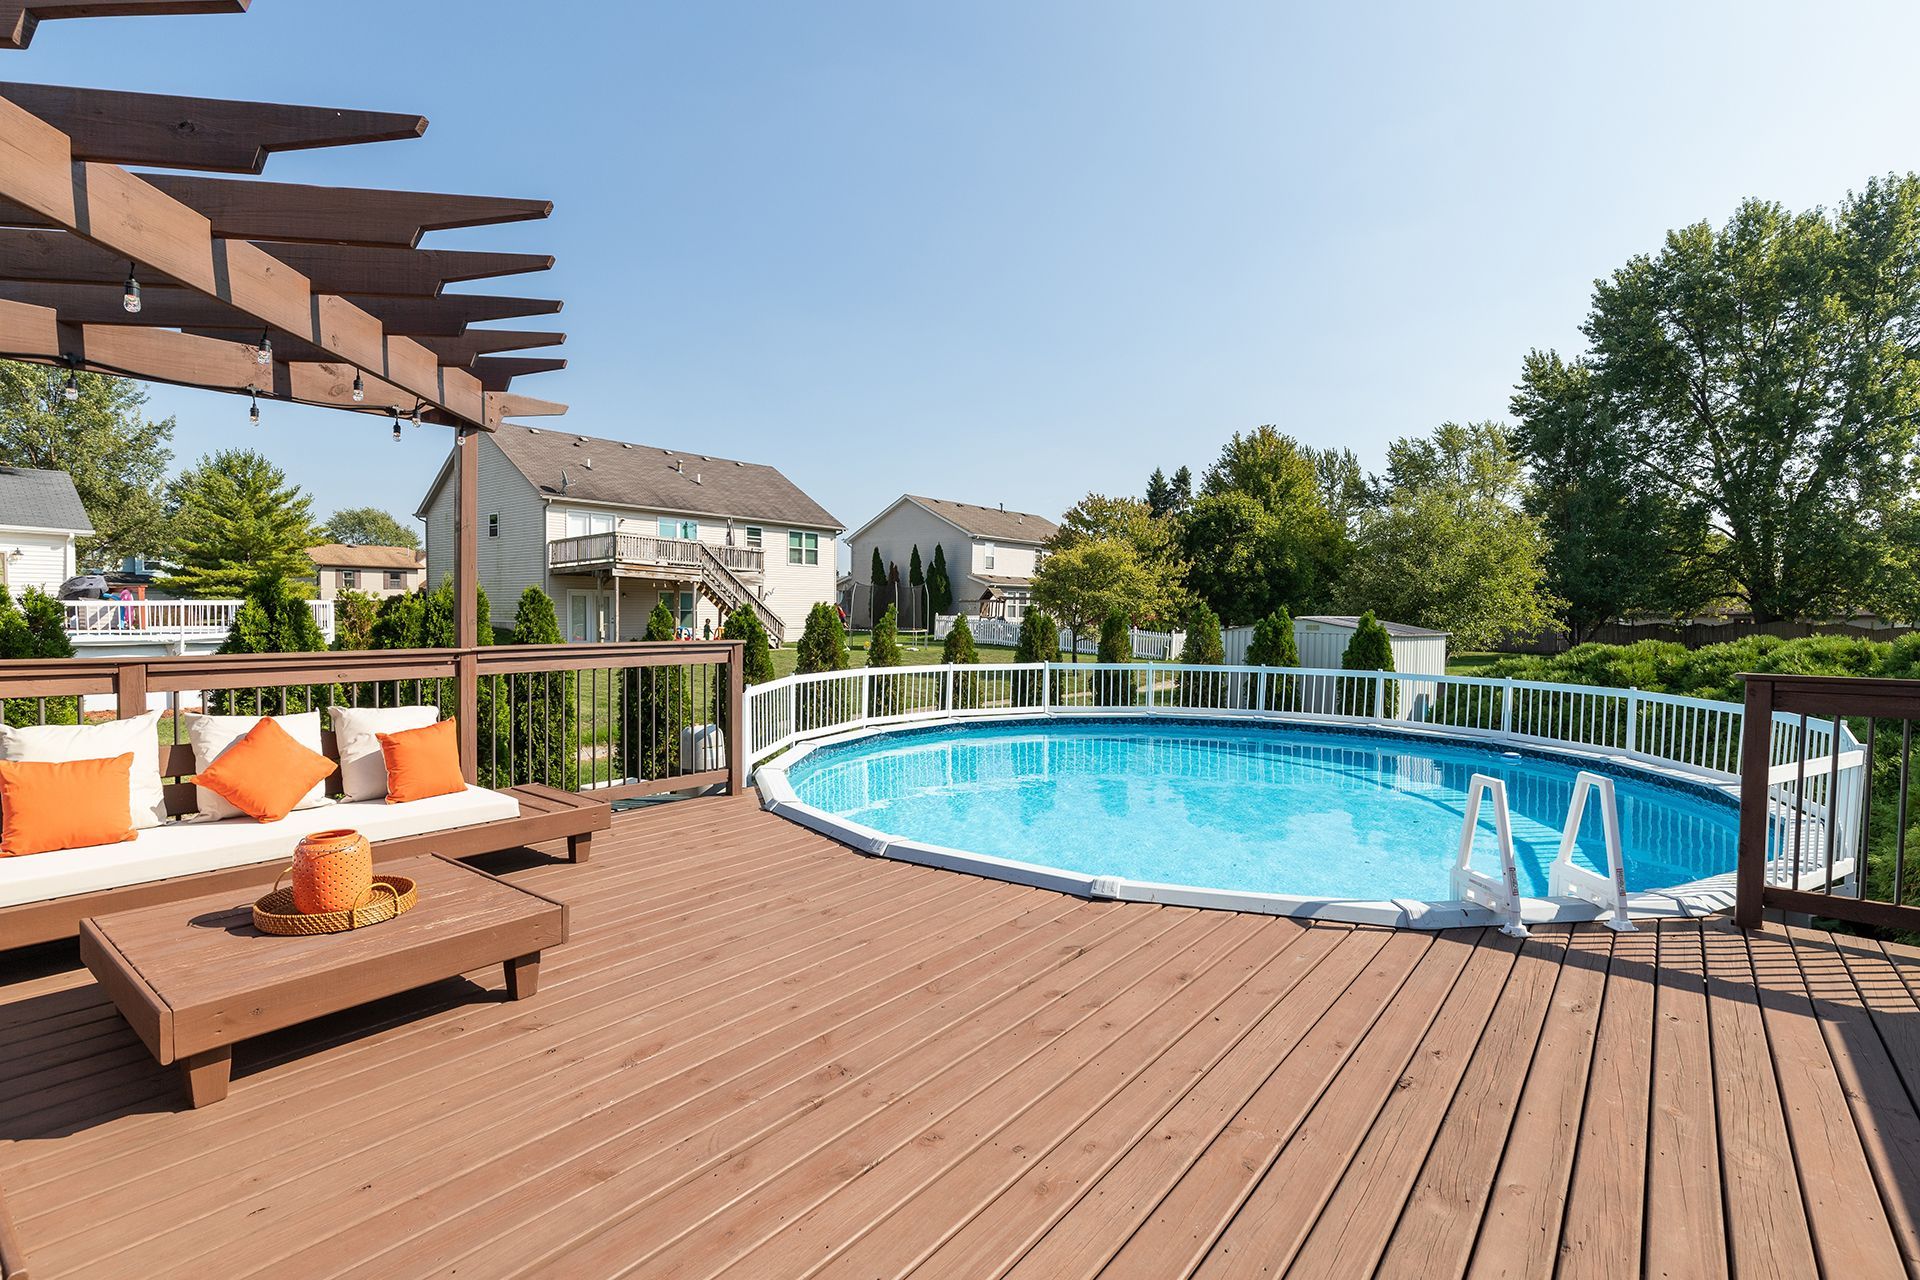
{"x": 131, "y": 298}
{"x": 396, "y": 425}
{"x": 71, "y": 391}
{"x": 263, "y": 354}
{"x": 253, "y": 409}
{"x": 359, "y": 388}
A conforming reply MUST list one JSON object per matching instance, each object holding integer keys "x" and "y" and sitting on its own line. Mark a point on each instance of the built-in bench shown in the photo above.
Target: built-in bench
{"x": 44, "y": 896}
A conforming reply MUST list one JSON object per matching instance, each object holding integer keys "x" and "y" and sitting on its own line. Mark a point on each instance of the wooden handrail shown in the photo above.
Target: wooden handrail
{"x": 1816, "y": 791}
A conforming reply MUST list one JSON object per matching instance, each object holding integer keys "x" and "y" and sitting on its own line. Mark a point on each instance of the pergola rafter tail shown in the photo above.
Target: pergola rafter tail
{"x": 166, "y": 131}
{"x": 20, "y": 18}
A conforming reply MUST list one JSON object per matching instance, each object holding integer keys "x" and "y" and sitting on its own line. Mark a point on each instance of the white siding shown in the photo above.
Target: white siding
{"x": 1323, "y": 644}
{"x": 1010, "y": 559}
{"x": 43, "y": 560}
{"x": 509, "y": 563}
{"x": 896, "y": 534}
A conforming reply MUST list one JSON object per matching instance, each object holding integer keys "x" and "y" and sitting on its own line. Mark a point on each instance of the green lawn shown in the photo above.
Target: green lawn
{"x": 1472, "y": 664}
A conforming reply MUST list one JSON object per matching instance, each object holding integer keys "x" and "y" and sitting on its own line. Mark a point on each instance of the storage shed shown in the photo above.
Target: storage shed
{"x": 1323, "y": 639}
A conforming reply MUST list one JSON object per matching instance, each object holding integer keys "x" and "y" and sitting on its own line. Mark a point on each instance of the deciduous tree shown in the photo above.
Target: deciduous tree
{"x": 1085, "y": 583}
{"x": 369, "y": 527}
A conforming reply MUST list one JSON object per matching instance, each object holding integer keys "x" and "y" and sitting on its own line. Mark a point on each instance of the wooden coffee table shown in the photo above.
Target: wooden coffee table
{"x": 194, "y": 978}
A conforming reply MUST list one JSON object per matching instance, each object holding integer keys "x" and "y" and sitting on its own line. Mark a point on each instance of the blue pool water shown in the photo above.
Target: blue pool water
{"x": 1273, "y": 810}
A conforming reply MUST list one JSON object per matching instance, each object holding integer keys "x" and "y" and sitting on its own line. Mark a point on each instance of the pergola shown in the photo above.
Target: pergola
{"x": 307, "y": 294}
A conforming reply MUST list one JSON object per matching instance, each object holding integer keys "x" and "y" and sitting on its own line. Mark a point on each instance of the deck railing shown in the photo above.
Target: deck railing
{"x": 1824, "y": 824}
{"x": 114, "y": 620}
{"x": 617, "y": 720}
{"x": 586, "y": 550}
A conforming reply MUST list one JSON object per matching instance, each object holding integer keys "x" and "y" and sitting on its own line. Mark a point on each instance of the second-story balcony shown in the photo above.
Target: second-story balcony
{"x": 672, "y": 557}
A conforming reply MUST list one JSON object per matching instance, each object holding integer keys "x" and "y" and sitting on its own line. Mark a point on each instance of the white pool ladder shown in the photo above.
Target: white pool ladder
{"x": 1565, "y": 880}
{"x": 1501, "y": 896}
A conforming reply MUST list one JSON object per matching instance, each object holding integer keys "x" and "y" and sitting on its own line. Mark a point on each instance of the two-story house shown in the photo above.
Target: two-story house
{"x": 610, "y": 528}
{"x": 370, "y": 570}
{"x": 991, "y": 554}
{"x": 41, "y": 523}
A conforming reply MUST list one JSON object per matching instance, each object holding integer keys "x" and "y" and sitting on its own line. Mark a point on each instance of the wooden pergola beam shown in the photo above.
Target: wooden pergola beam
{"x": 54, "y": 257}
{"x": 19, "y": 18}
{"x": 175, "y": 308}
{"x": 171, "y": 132}
{"x": 241, "y": 210}
{"x": 464, "y": 349}
{"x": 128, "y": 216}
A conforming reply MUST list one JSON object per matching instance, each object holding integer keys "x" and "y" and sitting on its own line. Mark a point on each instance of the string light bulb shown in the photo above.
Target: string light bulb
{"x": 130, "y": 299}
{"x": 253, "y": 409}
{"x": 396, "y": 425}
{"x": 263, "y": 354}
{"x": 71, "y": 391}
{"x": 359, "y": 388}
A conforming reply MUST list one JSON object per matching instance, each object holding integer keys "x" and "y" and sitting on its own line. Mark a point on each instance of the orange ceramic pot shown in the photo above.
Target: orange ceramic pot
{"x": 332, "y": 871}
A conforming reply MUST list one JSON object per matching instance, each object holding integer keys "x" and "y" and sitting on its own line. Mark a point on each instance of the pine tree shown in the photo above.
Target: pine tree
{"x": 939, "y": 583}
{"x": 657, "y": 704}
{"x": 877, "y": 585}
{"x": 1204, "y": 648}
{"x": 917, "y": 579}
{"x": 1273, "y": 645}
{"x": 1039, "y": 641}
{"x": 1182, "y": 490}
{"x": 272, "y": 620}
{"x": 1159, "y": 493}
{"x": 959, "y": 649}
{"x": 1115, "y": 688}
{"x": 354, "y": 616}
{"x": 542, "y": 705}
{"x": 883, "y": 650}
{"x": 235, "y": 517}
{"x": 1370, "y": 649}
{"x": 744, "y": 625}
{"x": 35, "y": 628}
{"x": 823, "y": 644}
{"x": 914, "y": 575}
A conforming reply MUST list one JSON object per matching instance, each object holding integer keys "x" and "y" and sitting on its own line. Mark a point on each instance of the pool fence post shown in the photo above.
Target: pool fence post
{"x": 946, "y": 692}
{"x": 1153, "y": 674}
{"x": 1046, "y": 686}
{"x": 1379, "y": 697}
{"x": 1506, "y": 707}
{"x": 1633, "y": 720}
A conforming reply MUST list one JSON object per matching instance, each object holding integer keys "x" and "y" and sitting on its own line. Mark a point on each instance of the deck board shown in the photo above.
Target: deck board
{"x": 764, "y": 1055}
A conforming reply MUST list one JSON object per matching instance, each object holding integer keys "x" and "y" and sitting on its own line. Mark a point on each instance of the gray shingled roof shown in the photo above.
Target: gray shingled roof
{"x": 992, "y": 523}
{"x": 33, "y": 499}
{"x": 638, "y": 475}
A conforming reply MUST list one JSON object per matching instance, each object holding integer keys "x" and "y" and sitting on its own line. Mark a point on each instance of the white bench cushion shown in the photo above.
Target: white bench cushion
{"x": 183, "y": 848}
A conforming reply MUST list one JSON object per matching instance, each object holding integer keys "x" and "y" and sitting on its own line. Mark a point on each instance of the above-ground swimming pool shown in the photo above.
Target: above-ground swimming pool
{"x": 1297, "y": 811}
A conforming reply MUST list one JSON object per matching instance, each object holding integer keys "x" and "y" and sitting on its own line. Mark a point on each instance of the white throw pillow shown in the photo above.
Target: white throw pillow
{"x": 60, "y": 743}
{"x": 210, "y": 736}
{"x": 356, "y": 730}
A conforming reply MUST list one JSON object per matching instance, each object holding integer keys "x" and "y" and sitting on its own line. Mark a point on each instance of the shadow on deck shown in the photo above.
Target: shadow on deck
{"x": 764, "y": 1055}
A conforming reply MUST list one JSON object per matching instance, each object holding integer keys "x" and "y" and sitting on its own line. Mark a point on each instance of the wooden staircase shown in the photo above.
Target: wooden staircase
{"x": 728, "y": 591}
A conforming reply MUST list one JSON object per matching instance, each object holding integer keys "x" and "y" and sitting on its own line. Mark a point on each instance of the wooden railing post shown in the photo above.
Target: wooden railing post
{"x": 1756, "y": 763}
{"x": 737, "y": 718}
{"x": 466, "y": 600}
{"x": 130, "y": 689}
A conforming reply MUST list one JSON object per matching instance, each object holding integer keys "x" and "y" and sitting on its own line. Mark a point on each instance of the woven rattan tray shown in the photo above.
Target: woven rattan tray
{"x": 392, "y": 896}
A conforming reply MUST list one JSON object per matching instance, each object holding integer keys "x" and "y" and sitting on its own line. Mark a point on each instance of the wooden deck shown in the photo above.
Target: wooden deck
{"x": 764, "y": 1055}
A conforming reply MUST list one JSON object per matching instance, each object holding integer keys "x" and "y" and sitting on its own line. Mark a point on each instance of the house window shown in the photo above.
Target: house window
{"x": 349, "y": 578}
{"x": 756, "y": 536}
{"x": 396, "y": 580}
{"x": 987, "y": 551}
{"x": 803, "y": 548}
{"x": 687, "y": 529}
{"x": 493, "y": 526}
{"x": 681, "y": 607}
{"x": 582, "y": 523}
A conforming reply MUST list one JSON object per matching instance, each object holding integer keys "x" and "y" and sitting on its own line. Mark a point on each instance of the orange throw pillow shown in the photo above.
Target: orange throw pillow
{"x": 422, "y": 762}
{"x": 70, "y": 805}
{"x": 266, "y": 773}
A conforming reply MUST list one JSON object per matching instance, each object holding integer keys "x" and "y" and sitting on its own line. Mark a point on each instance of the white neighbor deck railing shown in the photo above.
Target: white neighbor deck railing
{"x": 101, "y": 621}
{"x": 1692, "y": 735}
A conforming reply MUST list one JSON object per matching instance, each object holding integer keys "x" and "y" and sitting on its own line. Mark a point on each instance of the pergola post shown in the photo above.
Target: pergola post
{"x": 466, "y": 597}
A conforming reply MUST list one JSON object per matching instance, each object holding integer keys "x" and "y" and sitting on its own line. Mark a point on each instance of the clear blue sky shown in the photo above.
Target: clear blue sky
{"x": 1012, "y": 252}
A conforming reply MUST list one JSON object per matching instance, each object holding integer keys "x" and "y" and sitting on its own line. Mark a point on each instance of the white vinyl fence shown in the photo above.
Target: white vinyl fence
{"x": 1820, "y": 760}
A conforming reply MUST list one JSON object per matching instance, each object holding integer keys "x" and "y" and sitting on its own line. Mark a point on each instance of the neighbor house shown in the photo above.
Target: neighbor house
{"x": 991, "y": 555}
{"x": 610, "y": 529}
{"x": 370, "y": 570}
{"x": 41, "y": 524}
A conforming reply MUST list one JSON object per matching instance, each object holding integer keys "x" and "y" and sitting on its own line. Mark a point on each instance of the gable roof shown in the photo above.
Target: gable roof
{"x": 625, "y": 474}
{"x": 995, "y": 524}
{"x": 342, "y": 555}
{"x": 35, "y": 499}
